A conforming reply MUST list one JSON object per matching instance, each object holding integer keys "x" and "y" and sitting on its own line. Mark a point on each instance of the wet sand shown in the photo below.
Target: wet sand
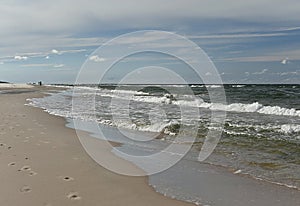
{"x": 43, "y": 163}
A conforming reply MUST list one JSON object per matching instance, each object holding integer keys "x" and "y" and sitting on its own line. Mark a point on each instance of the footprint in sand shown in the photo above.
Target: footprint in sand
{"x": 26, "y": 168}
{"x": 32, "y": 173}
{"x": 73, "y": 196}
{"x": 2, "y": 144}
{"x": 25, "y": 189}
{"x": 12, "y": 164}
{"x": 67, "y": 179}
{"x": 29, "y": 170}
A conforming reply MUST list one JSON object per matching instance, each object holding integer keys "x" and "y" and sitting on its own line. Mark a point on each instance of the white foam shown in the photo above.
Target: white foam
{"x": 197, "y": 86}
{"x": 196, "y": 102}
{"x": 235, "y": 107}
{"x": 140, "y": 97}
{"x": 289, "y": 128}
{"x": 254, "y": 107}
{"x": 238, "y": 86}
{"x": 214, "y": 86}
{"x": 279, "y": 111}
{"x": 154, "y": 127}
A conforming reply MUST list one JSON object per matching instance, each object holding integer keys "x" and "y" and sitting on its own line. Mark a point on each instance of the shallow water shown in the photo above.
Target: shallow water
{"x": 196, "y": 182}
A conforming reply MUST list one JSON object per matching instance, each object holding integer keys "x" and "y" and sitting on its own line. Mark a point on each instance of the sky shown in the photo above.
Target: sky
{"x": 254, "y": 41}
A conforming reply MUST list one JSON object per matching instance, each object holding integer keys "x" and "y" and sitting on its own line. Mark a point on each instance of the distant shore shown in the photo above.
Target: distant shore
{"x": 6, "y": 85}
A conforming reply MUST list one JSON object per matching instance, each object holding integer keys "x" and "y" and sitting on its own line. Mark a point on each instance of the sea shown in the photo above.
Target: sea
{"x": 260, "y": 138}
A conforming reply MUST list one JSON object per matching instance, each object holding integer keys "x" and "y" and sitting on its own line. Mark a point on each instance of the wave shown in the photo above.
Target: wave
{"x": 214, "y": 86}
{"x": 285, "y": 128}
{"x": 192, "y": 101}
{"x": 240, "y": 107}
{"x": 197, "y": 86}
{"x": 158, "y": 127}
{"x": 61, "y": 105}
{"x": 198, "y": 102}
{"x": 254, "y": 107}
{"x": 290, "y": 129}
{"x": 140, "y": 96}
{"x": 238, "y": 86}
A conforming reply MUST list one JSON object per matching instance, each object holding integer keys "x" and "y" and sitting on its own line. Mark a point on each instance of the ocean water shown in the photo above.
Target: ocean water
{"x": 260, "y": 138}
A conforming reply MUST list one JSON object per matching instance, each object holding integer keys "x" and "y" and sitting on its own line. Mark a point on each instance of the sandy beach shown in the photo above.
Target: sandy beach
{"x": 149, "y": 103}
{"x": 43, "y": 163}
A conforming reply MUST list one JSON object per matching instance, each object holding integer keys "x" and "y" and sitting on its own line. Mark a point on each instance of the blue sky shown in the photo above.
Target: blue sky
{"x": 249, "y": 42}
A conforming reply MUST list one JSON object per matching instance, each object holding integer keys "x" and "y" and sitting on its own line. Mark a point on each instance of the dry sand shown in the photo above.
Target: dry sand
{"x": 43, "y": 163}
{"x": 16, "y": 86}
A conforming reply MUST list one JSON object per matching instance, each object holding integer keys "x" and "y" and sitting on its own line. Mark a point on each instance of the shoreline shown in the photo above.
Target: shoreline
{"x": 216, "y": 178}
{"x": 220, "y": 167}
{"x": 43, "y": 163}
{"x": 218, "y": 184}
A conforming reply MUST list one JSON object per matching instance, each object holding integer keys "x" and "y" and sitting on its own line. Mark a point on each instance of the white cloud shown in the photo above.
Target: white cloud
{"x": 36, "y": 65}
{"x": 58, "y": 65}
{"x": 290, "y": 29}
{"x": 61, "y": 27}
{"x": 23, "y": 27}
{"x": 41, "y": 54}
{"x": 54, "y": 51}
{"x": 30, "y": 18}
{"x": 96, "y": 58}
{"x": 71, "y": 51}
{"x": 269, "y": 57}
{"x": 43, "y": 65}
{"x": 230, "y": 36}
{"x": 20, "y": 57}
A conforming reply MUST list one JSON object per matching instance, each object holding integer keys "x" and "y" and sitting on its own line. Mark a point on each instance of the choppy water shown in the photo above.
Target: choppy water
{"x": 261, "y": 136}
